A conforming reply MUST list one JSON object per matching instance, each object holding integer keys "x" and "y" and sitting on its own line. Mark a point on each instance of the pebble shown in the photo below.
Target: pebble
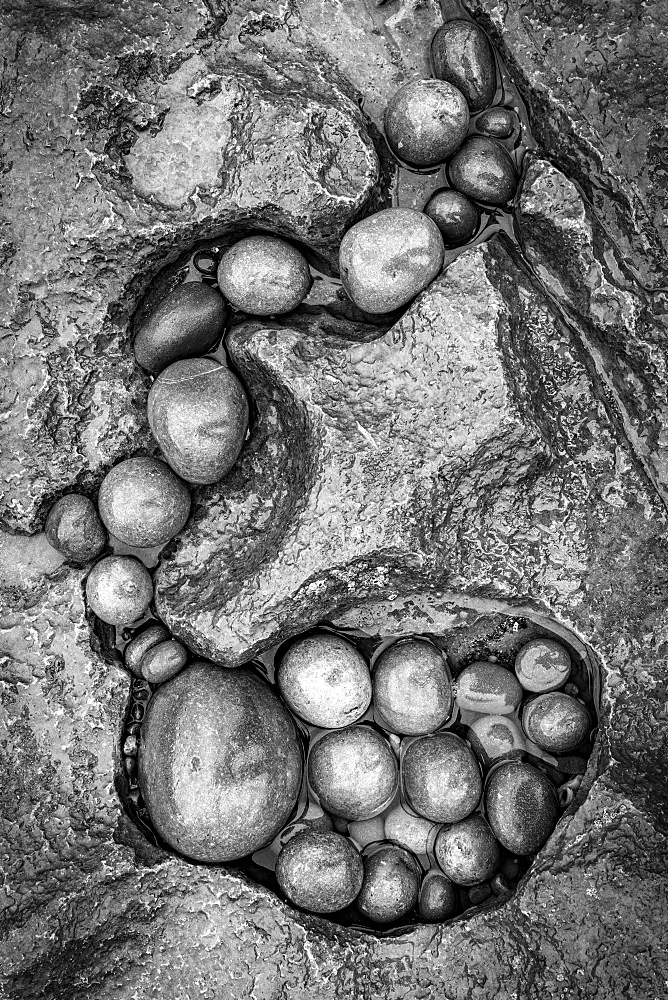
{"x": 499, "y": 123}
{"x": 388, "y": 258}
{"x": 441, "y": 777}
{"x": 140, "y": 644}
{"x": 119, "y": 589}
{"x": 353, "y": 772}
{"x": 468, "y": 852}
{"x": 325, "y": 681}
{"x": 220, "y": 763}
{"x": 556, "y": 722}
{"x": 164, "y": 661}
{"x": 522, "y": 807}
{"x": 478, "y": 894}
{"x": 264, "y": 276}
{"x": 494, "y": 736}
{"x": 438, "y": 897}
{"x": 425, "y": 122}
{"x": 391, "y": 885}
{"x": 406, "y": 830}
{"x": 74, "y": 529}
{"x": 454, "y": 214}
{"x": 542, "y": 665}
{"x": 189, "y": 321}
{"x": 461, "y": 53}
{"x": 488, "y": 688}
{"x": 320, "y": 872}
{"x": 198, "y": 413}
{"x": 500, "y": 885}
{"x": 412, "y": 688}
{"x": 143, "y": 503}
{"x": 367, "y": 831}
{"x": 482, "y": 169}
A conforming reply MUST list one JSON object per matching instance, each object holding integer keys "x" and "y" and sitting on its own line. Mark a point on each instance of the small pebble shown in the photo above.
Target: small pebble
{"x": 388, "y": 258}
{"x": 367, "y": 831}
{"x": 412, "y": 688}
{"x": 425, "y": 122}
{"x": 119, "y": 589}
{"x": 391, "y": 885}
{"x": 140, "y": 644}
{"x": 325, "y": 681}
{"x": 478, "y": 894}
{"x": 187, "y": 323}
{"x": 264, "y": 276}
{"x": 130, "y": 767}
{"x": 461, "y": 53}
{"x": 198, "y": 413}
{"x": 542, "y": 665}
{"x": 468, "y": 852}
{"x": 499, "y": 123}
{"x": 488, "y": 688}
{"x": 143, "y": 503}
{"x": 510, "y": 868}
{"x": 320, "y": 872}
{"x": 74, "y": 529}
{"x": 406, "y": 830}
{"x": 130, "y": 746}
{"x": 482, "y": 169}
{"x": 454, "y": 214}
{"x": 556, "y": 722}
{"x": 353, "y": 772}
{"x": 494, "y": 736}
{"x": 499, "y": 885}
{"x": 438, "y": 897}
{"x": 164, "y": 661}
{"x": 522, "y": 807}
{"x": 441, "y": 777}
{"x": 137, "y": 712}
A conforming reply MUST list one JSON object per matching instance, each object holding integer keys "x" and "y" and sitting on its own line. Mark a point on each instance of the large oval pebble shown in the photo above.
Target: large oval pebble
{"x": 188, "y": 322}
{"x": 264, "y": 275}
{"x": 142, "y": 502}
{"x": 462, "y": 55}
{"x": 483, "y": 170}
{"x": 321, "y": 872}
{"x": 426, "y": 121}
{"x": 522, "y": 807}
{"x": 556, "y": 722}
{"x": 412, "y": 688}
{"x": 441, "y": 777}
{"x": 353, "y": 772}
{"x": 388, "y": 258}
{"x": 488, "y": 688}
{"x": 468, "y": 852}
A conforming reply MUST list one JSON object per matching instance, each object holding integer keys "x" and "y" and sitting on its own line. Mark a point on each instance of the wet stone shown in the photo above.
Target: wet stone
{"x": 425, "y": 122}
{"x": 468, "y": 852}
{"x": 441, "y": 777}
{"x": 438, "y": 897}
{"x": 406, "y": 830}
{"x": 391, "y": 885}
{"x": 462, "y": 55}
{"x": 494, "y": 736}
{"x": 522, "y": 807}
{"x": 189, "y": 321}
{"x": 498, "y": 123}
{"x": 488, "y": 688}
{"x": 454, "y": 214}
{"x": 482, "y": 169}
{"x": 74, "y": 528}
{"x": 143, "y": 503}
{"x": 412, "y": 688}
{"x": 542, "y": 665}
{"x": 325, "y": 681}
{"x": 163, "y": 661}
{"x": 119, "y": 589}
{"x": 320, "y": 872}
{"x": 140, "y": 644}
{"x": 353, "y": 772}
{"x": 556, "y": 722}
{"x": 264, "y": 276}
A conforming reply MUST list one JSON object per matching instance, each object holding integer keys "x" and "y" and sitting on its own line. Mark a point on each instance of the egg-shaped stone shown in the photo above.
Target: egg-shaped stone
{"x": 264, "y": 276}
{"x": 522, "y": 807}
{"x": 353, "y": 772}
{"x": 320, "y": 872}
{"x": 409, "y": 831}
{"x": 462, "y": 55}
{"x": 388, "y": 258}
{"x": 143, "y": 503}
{"x": 455, "y": 215}
{"x": 325, "y": 680}
{"x": 487, "y": 688}
{"x": 198, "y": 413}
{"x": 441, "y": 777}
{"x": 119, "y": 589}
{"x": 220, "y": 763}
{"x": 542, "y": 665}
{"x": 494, "y": 736}
{"x": 163, "y": 661}
{"x": 438, "y": 897}
{"x": 391, "y": 885}
{"x": 468, "y": 852}
{"x": 188, "y": 322}
{"x": 412, "y": 688}
{"x": 498, "y": 123}
{"x": 151, "y": 635}
{"x": 425, "y": 122}
{"x": 482, "y": 169}
{"x": 74, "y": 529}
{"x": 556, "y": 722}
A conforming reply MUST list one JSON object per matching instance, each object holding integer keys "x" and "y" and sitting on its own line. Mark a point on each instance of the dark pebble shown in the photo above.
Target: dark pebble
{"x": 137, "y": 712}
{"x": 438, "y": 897}
{"x": 500, "y": 885}
{"x": 556, "y": 722}
{"x": 164, "y": 661}
{"x": 462, "y": 55}
{"x": 425, "y": 122}
{"x": 510, "y": 868}
{"x": 353, "y": 772}
{"x": 140, "y": 644}
{"x": 143, "y": 503}
{"x": 454, "y": 214}
{"x": 498, "y": 123}
{"x": 478, "y": 894}
{"x": 482, "y": 169}
{"x": 522, "y": 807}
{"x": 188, "y": 322}
{"x": 391, "y": 885}
{"x": 468, "y": 852}
{"x": 74, "y": 529}
{"x": 412, "y": 688}
{"x": 320, "y": 872}
{"x": 441, "y": 777}
{"x": 119, "y": 589}
{"x": 264, "y": 276}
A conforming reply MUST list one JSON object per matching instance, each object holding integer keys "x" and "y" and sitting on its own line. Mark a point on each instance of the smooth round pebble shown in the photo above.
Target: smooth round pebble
{"x": 391, "y": 885}
{"x": 441, "y": 777}
{"x": 353, "y": 772}
{"x": 163, "y": 661}
{"x": 556, "y": 722}
{"x": 74, "y": 529}
{"x": 325, "y": 681}
{"x": 522, "y": 807}
{"x": 133, "y": 654}
{"x": 198, "y": 413}
{"x": 143, "y": 503}
{"x": 542, "y": 665}
{"x": 119, "y": 589}
{"x": 188, "y": 322}
{"x": 426, "y": 121}
{"x": 461, "y": 53}
{"x": 412, "y": 688}
{"x": 264, "y": 276}
{"x": 438, "y": 897}
{"x": 498, "y": 123}
{"x": 388, "y": 258}
{"x": 482, "y": 169}
{"x": 487, "y": 688}
{"x": 406, "y": 830}
{"x": 454, "y": 214}
{"x": 493, "y": 736}
{"x": 220, "y": 763}
{"x": 468, "y": 852}
{"x": 320, "y": 872}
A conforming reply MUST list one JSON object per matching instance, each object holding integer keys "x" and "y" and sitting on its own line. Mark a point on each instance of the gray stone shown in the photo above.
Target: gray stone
{"x": 321, "y": 872}
{"x": 142, "y": 502}
{"x": 186, "y": 323}
{"x": 461, "y": 54}
{"x": 425, "y": 122}
{"x": 482, "y": 169}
